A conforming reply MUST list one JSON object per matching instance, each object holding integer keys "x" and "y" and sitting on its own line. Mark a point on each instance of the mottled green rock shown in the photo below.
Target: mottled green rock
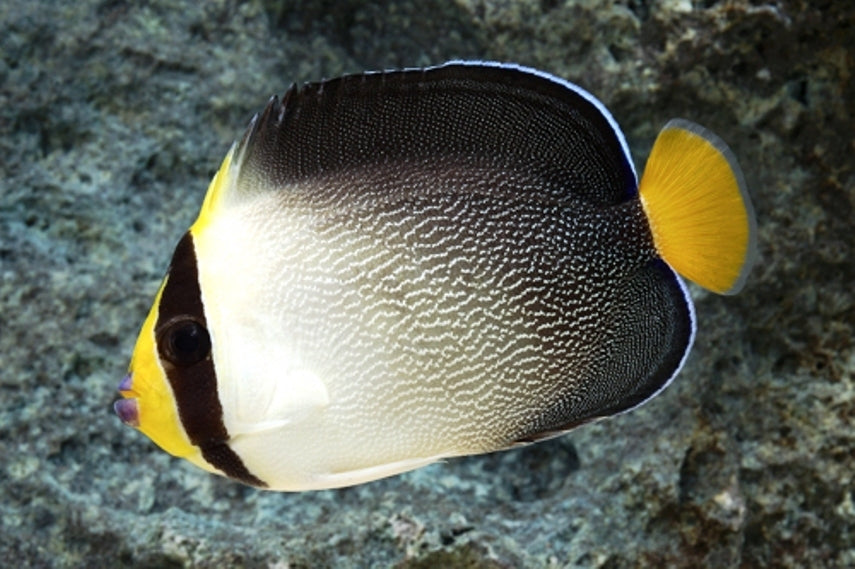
{"x": 113, "y": 117}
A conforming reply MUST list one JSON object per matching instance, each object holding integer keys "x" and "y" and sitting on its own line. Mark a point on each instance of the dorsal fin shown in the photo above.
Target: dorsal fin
{"x": 485, "y": 115}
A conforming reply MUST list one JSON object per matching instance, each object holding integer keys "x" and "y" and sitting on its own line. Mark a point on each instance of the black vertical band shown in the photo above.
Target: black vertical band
{"x": 195, "y": 386}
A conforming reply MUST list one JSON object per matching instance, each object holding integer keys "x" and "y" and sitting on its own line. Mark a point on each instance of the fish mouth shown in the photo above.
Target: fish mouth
{"x": 126, "y": 384}
{"x": 127, "y": 408}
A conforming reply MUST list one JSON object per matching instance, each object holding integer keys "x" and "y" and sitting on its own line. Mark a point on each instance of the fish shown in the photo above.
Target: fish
{"x": 394, "y": 268}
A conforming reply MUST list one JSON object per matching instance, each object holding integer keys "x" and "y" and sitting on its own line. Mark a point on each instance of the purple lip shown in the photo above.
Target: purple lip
{"x": 128, "y": 411}
{"x": 125, "y": 384}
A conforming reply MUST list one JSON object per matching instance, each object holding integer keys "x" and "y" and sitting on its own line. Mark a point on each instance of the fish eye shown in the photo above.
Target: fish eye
{"x": 184, "y": 342}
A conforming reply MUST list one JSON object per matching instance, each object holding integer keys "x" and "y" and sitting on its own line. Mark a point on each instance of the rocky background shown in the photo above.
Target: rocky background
{"x": 113, "y": 118}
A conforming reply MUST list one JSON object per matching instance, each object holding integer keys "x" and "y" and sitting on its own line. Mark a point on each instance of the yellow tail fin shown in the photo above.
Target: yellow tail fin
{"x": 698, "y": 207}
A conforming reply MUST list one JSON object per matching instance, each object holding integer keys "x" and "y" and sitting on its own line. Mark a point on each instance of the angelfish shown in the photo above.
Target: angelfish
{"x": 392, "y": 268}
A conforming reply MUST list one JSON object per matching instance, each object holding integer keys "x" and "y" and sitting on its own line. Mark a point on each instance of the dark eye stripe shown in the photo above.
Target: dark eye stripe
{"x": 195, "y": 386}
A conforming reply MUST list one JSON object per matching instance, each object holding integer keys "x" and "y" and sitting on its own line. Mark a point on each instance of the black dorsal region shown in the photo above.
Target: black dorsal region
{"x": 482, "y": 116}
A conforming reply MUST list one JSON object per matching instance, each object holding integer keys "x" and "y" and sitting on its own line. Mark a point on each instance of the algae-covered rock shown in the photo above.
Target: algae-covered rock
{"x": 113, "y": 118}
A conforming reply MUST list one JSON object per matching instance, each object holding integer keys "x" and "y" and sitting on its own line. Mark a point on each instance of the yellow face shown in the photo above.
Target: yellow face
{"x": 170, "y": 392}
{"x": 149, "y": 403}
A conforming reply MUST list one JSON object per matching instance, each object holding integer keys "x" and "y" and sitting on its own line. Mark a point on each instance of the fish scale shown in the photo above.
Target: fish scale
{"x": 442, "y": 319}
{"x": 437, "y": 309}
